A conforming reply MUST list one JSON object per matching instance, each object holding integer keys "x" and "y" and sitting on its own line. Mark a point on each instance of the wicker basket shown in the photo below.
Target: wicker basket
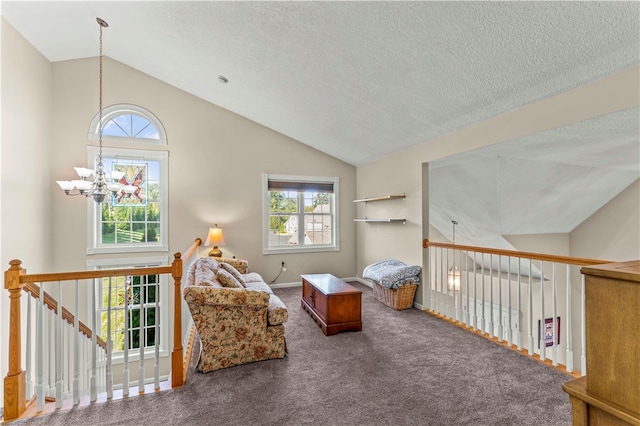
{"x": 398, "y": 298}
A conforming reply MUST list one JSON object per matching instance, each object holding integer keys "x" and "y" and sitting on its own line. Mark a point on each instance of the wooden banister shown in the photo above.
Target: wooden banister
{"x": 192, "y": 249}
{"x": 514, "y": 253}
{"x": 177, "y": 377}
{"x": 52, "y": 304}
{"x": 181, "y": 352}
{"x": 15, "y": 382}
{"x": 100, "y": 273}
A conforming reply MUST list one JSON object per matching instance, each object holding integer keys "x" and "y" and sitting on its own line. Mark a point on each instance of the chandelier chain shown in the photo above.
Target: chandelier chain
{"x": 102, "y": 24}
{"x": 103, "y": 184}
{"x": 100, "y": 98}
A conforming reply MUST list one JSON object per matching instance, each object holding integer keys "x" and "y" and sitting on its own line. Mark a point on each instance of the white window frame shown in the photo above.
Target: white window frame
{"x": 163, "y": 285}
{"x": 335, "y": 246}
{"x": 114, "y": 110}
{"x": 94, "y": 209}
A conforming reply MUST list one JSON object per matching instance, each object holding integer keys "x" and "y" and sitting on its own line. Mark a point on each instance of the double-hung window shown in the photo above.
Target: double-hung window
{"x": 300, "y": 213}
{"x": 132, "y": 309}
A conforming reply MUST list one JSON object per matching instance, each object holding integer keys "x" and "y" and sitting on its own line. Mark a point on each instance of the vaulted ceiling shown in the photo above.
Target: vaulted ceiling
{"x": 362, "y": 80}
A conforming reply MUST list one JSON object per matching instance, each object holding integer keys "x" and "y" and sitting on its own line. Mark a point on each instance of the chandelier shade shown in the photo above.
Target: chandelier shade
{"x": 103, "y": 183}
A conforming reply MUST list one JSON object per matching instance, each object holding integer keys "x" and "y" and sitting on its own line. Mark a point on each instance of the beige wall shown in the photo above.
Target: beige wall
{"x": 402, "y": 172}
{"x": 612, "y": 232}
{"x": 26, "y": 185}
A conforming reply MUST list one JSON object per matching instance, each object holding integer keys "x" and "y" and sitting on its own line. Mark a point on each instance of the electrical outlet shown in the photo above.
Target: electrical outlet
{"x": 283, "y": 267}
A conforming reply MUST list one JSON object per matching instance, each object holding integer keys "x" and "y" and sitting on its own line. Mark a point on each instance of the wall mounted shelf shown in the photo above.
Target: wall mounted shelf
{"x": 385, "y": 197}
{"x": 366, "y": 219}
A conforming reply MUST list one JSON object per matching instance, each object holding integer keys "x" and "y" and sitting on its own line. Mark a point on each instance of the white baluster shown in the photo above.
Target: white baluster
{"x": 530, "y": 310}
{"x": 467, "y": 319}
{"x": 141, "y": 337}
{"x": 93, "y": 390}
{"x": 109, "y": 373}
{"x": 436, "y": 298}
{"x": 76, "y": 347}
{"x": 542, "y": 344}
{"x": 125, "y": 371}
{"x": 459, "y": 293}
{"x": 58, "y": 351}
{"x": 441, "y": 308}
{"x": 87, "y": 348}
{"x": 46, "y": 353}
{"x": 102, "y": 376}
{"x": 448, "y": 305}
{"x": 555, "y": 318}
{"x": 475, "y": 293}
{"x": 509, "y": 322}
{"x": 483, "y": 316}
{"x": 157, "y": 334}
{"x": 29, "y": 352}
{"x": 500, "y": 320}
{"x": 445, "y": 288}
{"x": 569, "y": 333}
{"x": 519, "y": 328}
{"x": 39, "y": 352}
{"x": 583, "y": 329}
{"x": 53, "y": 320}
{"x": 433, "y": 283}
{"x": 66, "y": 376}
{"x": 491, "y": 330}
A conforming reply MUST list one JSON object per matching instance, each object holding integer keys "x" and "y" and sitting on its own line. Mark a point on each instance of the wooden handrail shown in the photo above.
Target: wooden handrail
{"x": 191, "y": 250}
{"x": 100, "y": 273}
{"x": 514, "y": 253}
{"x": 52, "y": 304}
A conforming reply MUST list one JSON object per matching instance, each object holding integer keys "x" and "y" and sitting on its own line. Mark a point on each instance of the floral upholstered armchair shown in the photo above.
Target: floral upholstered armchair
{"x": 237, "y": 316}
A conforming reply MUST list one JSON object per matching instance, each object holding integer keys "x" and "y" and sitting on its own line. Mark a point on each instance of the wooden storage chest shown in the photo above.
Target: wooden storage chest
{"x": 335, "y": 305}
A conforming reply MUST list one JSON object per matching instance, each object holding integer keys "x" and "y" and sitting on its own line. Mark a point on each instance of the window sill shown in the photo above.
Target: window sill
{"x": 305, "y": 249}
{"x": 124, "y": 248}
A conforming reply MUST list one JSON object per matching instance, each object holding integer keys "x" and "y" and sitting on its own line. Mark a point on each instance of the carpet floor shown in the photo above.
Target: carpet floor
{"x": 403, "y": 368}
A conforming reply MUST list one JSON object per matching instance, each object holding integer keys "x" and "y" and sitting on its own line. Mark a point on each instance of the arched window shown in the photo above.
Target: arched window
{"x": 130, "y": 122}
{"x": 130, "y": 222}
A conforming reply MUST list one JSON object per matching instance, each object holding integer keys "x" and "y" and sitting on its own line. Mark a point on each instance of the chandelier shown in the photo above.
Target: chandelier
{"x": 103, "y": 183}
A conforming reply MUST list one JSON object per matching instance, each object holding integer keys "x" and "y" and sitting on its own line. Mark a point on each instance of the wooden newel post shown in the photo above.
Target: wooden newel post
{"x": 15, "y": 382}
{"x": 177, "y": 356}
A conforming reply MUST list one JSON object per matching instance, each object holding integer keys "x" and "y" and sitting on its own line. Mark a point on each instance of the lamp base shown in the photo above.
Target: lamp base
{"x": 215, "y": 252}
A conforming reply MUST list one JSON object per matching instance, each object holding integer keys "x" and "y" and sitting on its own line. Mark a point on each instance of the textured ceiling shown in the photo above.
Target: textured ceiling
{"x": 357, "y": 80}
{"x": 362, "y": 80}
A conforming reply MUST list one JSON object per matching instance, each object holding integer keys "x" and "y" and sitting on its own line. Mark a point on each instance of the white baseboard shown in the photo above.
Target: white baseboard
{"x": 360, "y": 280}
{"x": 299, "y": 283}
{"x": 286, "y": 285}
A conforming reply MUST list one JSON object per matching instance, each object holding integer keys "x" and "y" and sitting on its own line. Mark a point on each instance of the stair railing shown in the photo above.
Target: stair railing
{"x": 493, "y": 292}
{"x": 71, "y": 360}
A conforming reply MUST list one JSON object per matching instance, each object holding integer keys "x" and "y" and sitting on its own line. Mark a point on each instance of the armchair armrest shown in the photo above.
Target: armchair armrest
{"x": 204, "y": 295}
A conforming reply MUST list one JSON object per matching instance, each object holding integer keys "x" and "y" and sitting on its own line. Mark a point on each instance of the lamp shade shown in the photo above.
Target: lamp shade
{"x": 215, "y": 237}
{"x": 454, "y": 278}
